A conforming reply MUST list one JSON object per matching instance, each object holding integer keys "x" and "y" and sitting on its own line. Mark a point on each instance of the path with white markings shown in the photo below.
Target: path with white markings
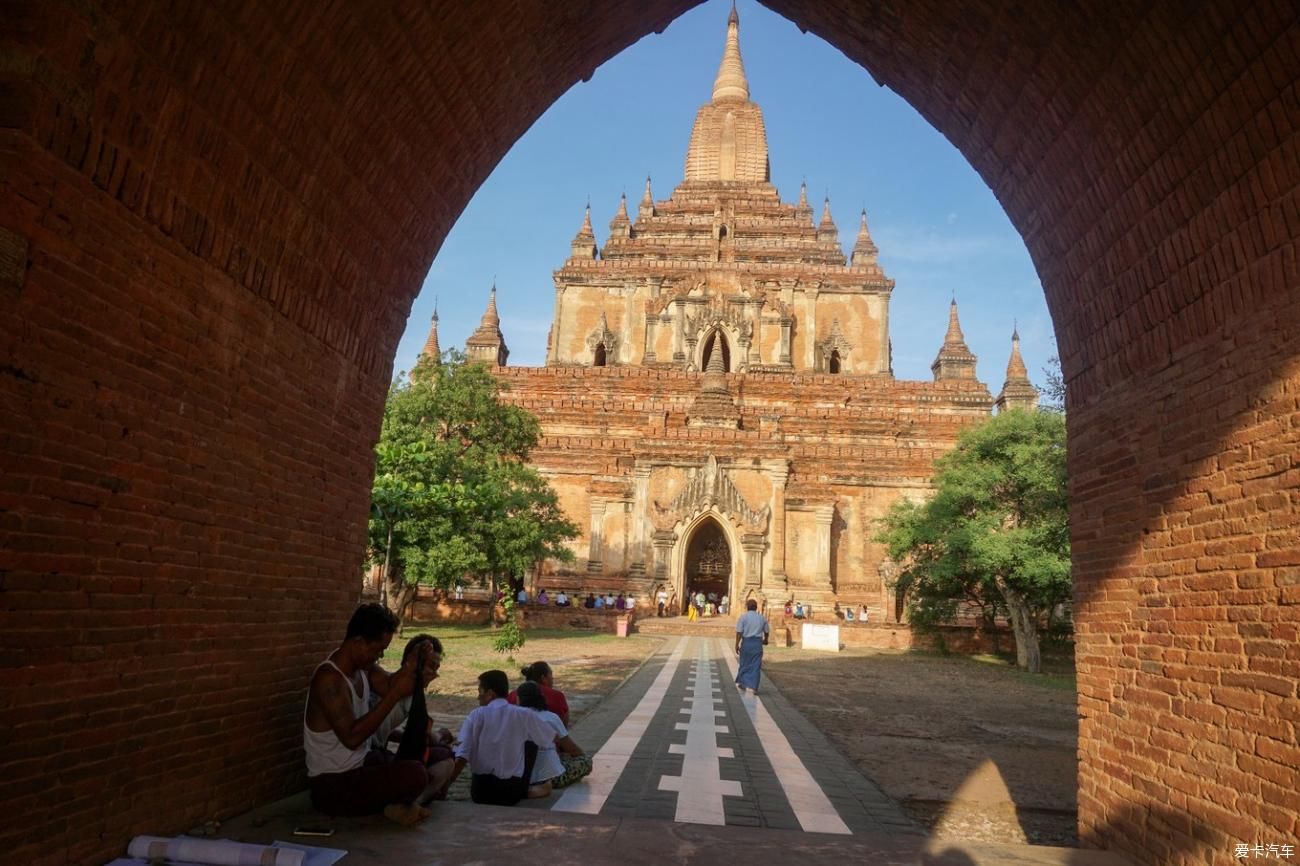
{"x": 679, "y": 742}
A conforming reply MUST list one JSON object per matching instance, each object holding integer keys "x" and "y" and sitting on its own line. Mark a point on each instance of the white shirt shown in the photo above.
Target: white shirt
{"x": 492, "y": 738}
{"x": 395, "y": 718}
{"x": 609, "y": 601}
{"x": 751, "y": 623}
{"x": 662, "y": 597}
{"x": 548, "y": 764}
{"x": 561, "y": 599}
{"x": 630, "y": 603}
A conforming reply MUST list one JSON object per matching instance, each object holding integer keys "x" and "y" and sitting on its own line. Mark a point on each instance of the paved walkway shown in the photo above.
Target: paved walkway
{"x": 686, "y": 769}
{"x": 678, "y": 742}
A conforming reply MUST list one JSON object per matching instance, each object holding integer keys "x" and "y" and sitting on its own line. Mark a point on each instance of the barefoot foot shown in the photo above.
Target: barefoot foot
{"x": 406, "y": 814}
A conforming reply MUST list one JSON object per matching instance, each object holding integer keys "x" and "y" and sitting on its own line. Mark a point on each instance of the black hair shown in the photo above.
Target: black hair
{"x": 535, "y": 671}
{"x": 751, "y": 605}
{"x": 530, "y": 695}
{"x": 371, "y": 622}
{"x": 414, "y": 643}
{"x": 496, "y": 682}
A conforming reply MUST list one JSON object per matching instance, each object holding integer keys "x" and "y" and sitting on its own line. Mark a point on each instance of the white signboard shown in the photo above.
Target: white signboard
{"x": 821, "y": 637}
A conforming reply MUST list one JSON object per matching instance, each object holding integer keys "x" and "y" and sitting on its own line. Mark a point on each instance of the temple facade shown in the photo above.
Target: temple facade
{"x": 718, "y": 406}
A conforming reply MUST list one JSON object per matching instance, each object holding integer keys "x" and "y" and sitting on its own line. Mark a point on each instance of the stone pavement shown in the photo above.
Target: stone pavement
{"x": 679, "y": 743}
{"x": 686, "y": 770}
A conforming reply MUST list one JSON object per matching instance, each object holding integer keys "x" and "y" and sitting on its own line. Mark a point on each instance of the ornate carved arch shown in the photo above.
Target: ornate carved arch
{"x": 603, "y": 335}
{"x": 832, "y": 343}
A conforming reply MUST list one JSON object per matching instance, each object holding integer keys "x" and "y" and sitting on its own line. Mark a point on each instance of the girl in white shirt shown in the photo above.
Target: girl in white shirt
{"x": 560, "y": 763}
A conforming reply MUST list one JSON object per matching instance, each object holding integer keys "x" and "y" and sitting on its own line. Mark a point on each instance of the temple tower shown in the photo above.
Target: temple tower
{"x": 487, "y": 344}
{"x": 1017, "y": 392}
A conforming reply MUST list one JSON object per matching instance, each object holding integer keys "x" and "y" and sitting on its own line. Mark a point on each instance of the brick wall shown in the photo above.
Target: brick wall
{"x": 213, "y": 218}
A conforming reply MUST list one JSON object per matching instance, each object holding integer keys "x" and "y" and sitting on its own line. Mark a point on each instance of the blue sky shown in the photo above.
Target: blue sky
{"x": 938, "y": 226}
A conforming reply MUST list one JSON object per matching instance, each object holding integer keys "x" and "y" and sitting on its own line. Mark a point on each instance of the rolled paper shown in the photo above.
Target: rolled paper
{"x": 212, "y": 852}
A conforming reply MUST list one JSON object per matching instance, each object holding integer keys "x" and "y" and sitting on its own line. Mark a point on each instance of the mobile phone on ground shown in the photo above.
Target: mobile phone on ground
{"x": 313, "y": 831}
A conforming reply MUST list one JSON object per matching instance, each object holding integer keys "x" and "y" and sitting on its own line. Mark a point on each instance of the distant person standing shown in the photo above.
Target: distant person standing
{"x": 522, "y": 597}
{"x": 751, "y": 637}
{"x": 661, "y": 600}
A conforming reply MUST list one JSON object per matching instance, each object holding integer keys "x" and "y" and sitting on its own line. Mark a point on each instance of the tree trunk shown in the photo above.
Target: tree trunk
{"x": 404, "y": 597}
{"x": 1025, "y": 626}
{"x": 388, "y": 564}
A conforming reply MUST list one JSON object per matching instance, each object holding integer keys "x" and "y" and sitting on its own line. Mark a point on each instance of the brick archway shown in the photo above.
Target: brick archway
{"x": 213, "y": 220}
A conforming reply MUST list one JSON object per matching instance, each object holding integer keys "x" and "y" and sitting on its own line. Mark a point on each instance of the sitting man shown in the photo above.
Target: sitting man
{"x": 499, "y": 741}
{"x": 411, "y": 711}
{"x": 346, "y": 776}
{"x": 561, "y": 600}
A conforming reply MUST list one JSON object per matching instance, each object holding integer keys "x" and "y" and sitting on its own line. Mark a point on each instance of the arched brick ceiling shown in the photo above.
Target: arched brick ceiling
{"x": 214, "y": 218}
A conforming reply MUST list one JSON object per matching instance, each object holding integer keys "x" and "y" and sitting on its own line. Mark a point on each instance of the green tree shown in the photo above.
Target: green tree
{"x": 996, "y": 531}
{"x": 453, "y": 494}
{"x": 1052, "y": 397}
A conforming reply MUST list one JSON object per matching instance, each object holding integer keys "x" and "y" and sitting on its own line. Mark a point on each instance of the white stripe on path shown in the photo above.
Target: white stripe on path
{"x": 811, "y": 806}
{"x": 589, "y": 795}
{"x": 700, "y": 788}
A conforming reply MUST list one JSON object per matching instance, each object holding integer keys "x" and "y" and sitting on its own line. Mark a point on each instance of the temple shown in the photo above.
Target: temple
{"x": 718, "y": 405}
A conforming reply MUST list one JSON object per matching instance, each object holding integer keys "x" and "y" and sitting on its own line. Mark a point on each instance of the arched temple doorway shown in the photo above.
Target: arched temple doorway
{"x": 708, "y": 561}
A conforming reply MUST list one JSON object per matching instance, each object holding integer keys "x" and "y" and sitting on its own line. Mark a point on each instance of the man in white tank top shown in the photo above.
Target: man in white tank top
{"x": 346, "y": 776}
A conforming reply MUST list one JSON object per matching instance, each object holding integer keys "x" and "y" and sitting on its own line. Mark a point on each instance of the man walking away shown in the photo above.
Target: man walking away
{"x": 751, "y": 637}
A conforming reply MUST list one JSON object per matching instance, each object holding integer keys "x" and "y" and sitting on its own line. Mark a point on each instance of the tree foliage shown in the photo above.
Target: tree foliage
{"x": 1052, "y": 397}
{"x": 996, "y": 532}
{"x": 453, "y": 495}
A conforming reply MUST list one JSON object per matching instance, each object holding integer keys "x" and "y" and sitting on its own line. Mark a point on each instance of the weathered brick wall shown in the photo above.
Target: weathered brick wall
{"x": 213, "y": 218}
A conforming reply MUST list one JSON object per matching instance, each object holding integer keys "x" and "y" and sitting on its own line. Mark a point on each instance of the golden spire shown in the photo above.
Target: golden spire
{"x": 583, "y": 245}
{"x": 864, "y": 250}
{"x": 954, "y": 336}
{"x": 647, "y": 207}
{"x": 827, "y": 223}
{"x": 490, "y": 318}
{"x": 731, "y": 82}
{"x": 1016, "y": 370}
{"x": 1017, "y": 391}
{"x": 431, "y": 348}
{"x": 955, "y": 360}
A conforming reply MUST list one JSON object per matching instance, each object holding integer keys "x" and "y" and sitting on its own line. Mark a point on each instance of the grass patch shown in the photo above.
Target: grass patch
{"x": 587, "y": 665}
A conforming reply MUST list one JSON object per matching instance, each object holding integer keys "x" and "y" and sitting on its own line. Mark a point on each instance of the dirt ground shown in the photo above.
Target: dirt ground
{"x": 974, "y": 749}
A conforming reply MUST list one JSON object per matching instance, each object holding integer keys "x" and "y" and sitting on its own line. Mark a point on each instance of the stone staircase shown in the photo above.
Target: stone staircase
{"x": 715, "y": 626}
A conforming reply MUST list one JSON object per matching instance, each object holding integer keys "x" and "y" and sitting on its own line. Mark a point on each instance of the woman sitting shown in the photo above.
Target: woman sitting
{"x": 540, "y": 673}
{"x": 560, "y": 763}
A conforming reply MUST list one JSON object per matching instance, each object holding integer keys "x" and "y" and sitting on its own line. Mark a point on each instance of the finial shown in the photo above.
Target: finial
{"x": 435, "y": 308}
{"x": 731, "y": 82}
